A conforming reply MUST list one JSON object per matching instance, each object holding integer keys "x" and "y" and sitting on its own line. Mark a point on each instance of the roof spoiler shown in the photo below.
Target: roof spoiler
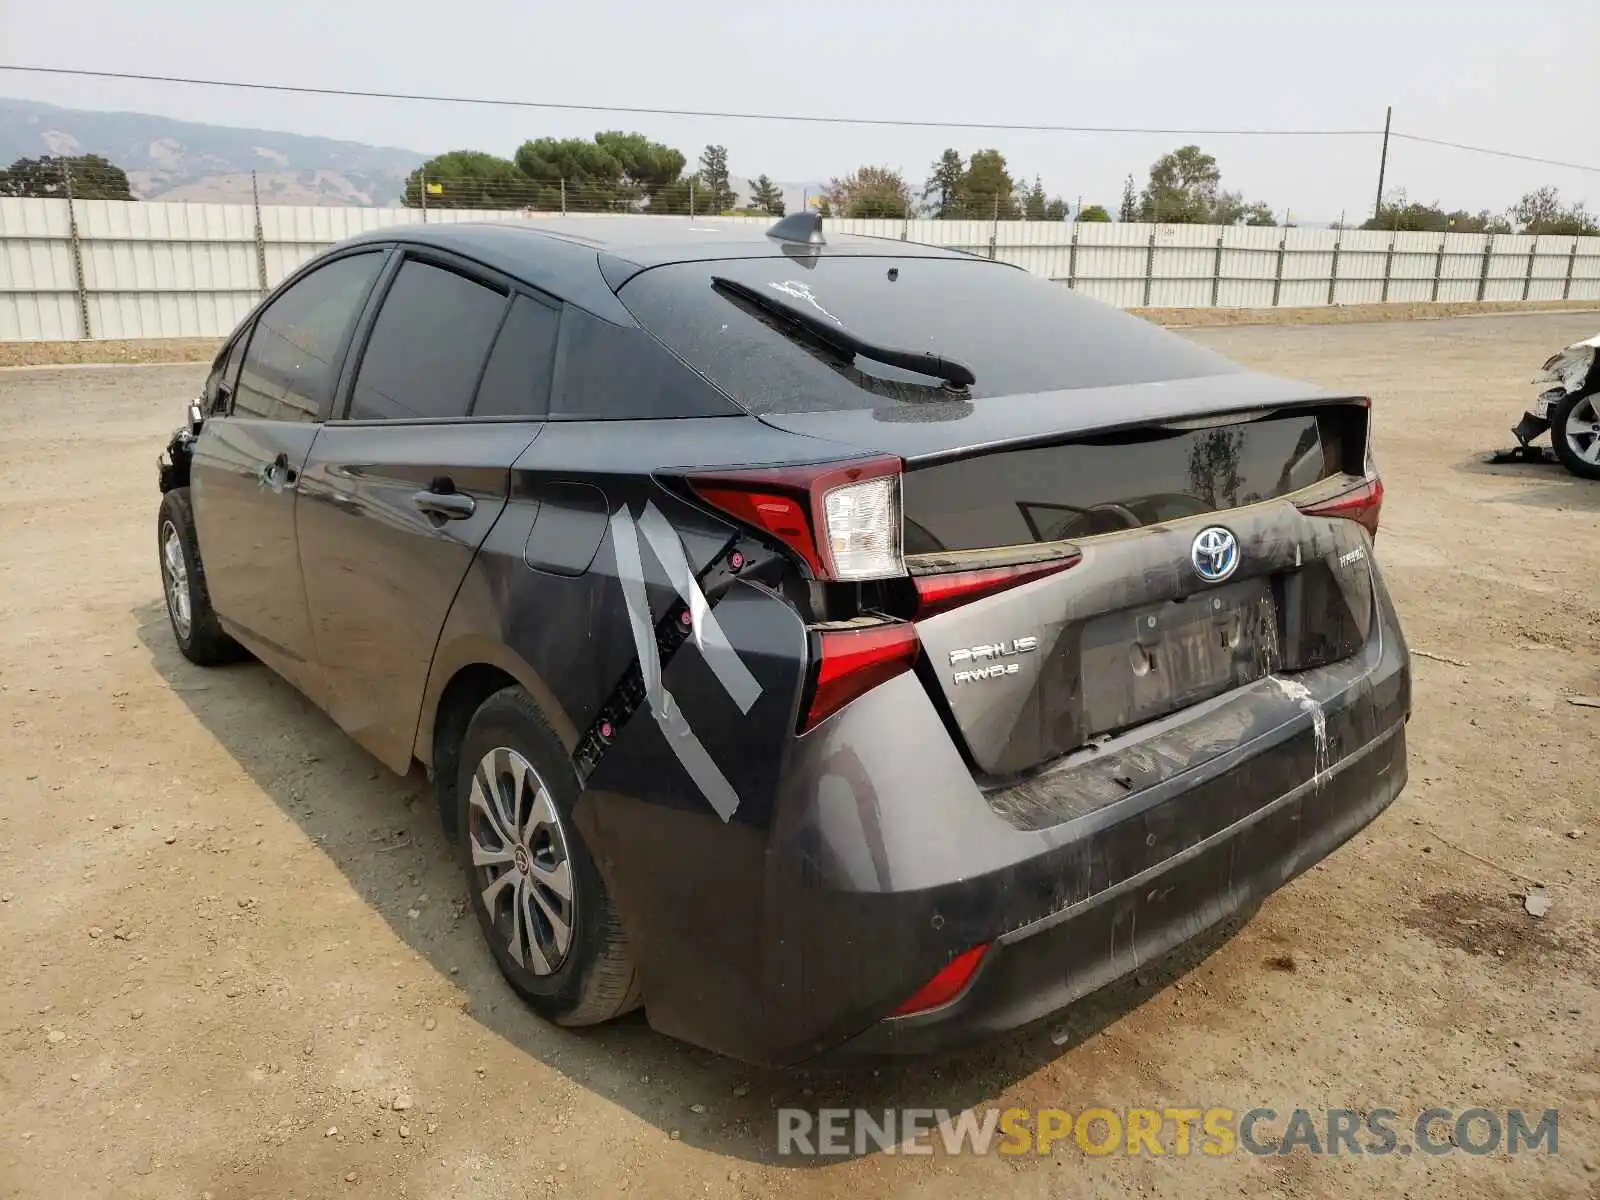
{"x": 803, "y": 227}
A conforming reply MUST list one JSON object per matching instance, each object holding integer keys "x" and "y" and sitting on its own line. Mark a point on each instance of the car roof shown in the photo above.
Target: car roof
{"x": 563, "y": 255}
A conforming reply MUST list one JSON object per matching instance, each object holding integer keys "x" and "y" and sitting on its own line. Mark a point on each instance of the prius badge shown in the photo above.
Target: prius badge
{"x": 992, "y": 659}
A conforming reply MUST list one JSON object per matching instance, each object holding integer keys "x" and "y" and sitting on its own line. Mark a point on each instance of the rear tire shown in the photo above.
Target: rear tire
{"x": 537, "y": 894}
{"x": 1575, "y": 434}
{"x": 183, "y": 581}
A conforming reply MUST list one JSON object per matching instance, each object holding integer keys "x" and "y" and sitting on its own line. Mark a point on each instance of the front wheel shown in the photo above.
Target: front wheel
{"x": 1575, "y": 434}
{"x": 183, "y": 580}
{"x": 534, "y": 887}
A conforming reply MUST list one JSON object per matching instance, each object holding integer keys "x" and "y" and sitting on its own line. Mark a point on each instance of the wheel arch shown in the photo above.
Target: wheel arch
{"x": 463, "y": 677}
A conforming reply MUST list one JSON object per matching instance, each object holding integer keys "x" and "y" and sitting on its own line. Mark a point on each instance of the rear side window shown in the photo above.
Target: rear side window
{"x": 612, "y": 372}
{"x": 1016, "y": 332}
{"x": 293, "y": 360}
{"x": 516, "y": 383}
{"x": 427, "y": 347}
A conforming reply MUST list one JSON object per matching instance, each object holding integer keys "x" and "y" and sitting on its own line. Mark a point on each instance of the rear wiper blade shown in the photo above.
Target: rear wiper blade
{"x": 830, "y": 334}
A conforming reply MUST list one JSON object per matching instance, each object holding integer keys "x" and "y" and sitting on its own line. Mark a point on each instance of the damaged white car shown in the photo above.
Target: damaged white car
{"x": 1569, "y": 408}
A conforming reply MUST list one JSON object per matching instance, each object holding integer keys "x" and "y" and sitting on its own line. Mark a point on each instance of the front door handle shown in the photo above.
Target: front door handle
{"x": 451, "y": 506}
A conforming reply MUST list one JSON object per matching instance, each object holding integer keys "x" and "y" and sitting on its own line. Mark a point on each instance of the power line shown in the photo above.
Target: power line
{"x": 797, "y": 118}
{"x": 1549, "y": 162}
{"x": 802, "y": 118}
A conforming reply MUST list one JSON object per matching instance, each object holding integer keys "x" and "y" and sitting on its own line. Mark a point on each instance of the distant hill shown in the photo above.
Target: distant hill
{"x": 185, "y": 160}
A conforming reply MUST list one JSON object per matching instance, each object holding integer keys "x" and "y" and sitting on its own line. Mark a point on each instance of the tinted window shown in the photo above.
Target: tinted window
{"x": 293, "y": 359}
{"x": 427, "y": 346}
{"x": 516, "y": 383}
{"x": 225, "y": 370}
{"x": 1123, "y": 481}
{"x": 613, "y": 372}
{"x": 1018, "y": 333}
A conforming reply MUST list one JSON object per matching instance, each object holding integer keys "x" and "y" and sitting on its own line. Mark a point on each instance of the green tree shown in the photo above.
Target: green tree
{"x": 1231, "y": 208}
{"x": 1185, "y": 188}
{"x": 987, "y": 189}
{"x": 468, "y": 179}
{"x": 767, "y": 196}
{"x": 1182, "y": 189}
{"x": 1034, "y": 201}
{"x": 613, "y": 172}
{"x": 714, "y": 194}
{"x": 941, "y": 195}
{"x": 1128, "y": 210}
{"x": 868, "y": 192}
{"x": 644, "y": 167}
{"x": 1093, "y": 212}
{"x": 93, "y": 178}
{"x": 1398, "y": 213}
{"x": 1541, "y": 211}
{"x": 1056, "y": 209}
{"x": 675, "y": 199}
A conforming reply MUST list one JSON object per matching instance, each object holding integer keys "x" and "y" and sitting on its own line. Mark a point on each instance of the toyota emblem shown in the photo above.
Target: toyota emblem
{"x": 1215, "y": 554}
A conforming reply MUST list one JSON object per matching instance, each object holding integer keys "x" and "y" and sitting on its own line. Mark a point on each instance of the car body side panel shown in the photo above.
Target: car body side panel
{"x": 691, "y": 887}
{"x": 381, "y": 573}
{"x": 561, "y": 629}
{"x": 244, "y": 509}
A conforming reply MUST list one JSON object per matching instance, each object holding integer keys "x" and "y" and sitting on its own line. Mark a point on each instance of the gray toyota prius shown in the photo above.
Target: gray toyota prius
{"x": 842, "y": 648}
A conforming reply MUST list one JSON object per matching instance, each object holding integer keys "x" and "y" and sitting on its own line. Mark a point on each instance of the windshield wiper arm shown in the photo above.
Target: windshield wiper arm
{"x": 847, "y": 344}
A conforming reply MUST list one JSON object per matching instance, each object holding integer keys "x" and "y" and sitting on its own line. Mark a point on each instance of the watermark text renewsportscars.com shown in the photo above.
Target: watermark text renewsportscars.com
{"x": 1167, "y": 1131}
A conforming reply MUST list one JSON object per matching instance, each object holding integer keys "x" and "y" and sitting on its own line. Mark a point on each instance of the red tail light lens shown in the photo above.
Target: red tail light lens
{"x": 852, "y": 662}
{"x": 949, "y": 983}
{"x": 1361, "y": 504}
{"x": 940, "y": 593}
{"x": 784, "y": 516}
{"x": 842, "y": 519}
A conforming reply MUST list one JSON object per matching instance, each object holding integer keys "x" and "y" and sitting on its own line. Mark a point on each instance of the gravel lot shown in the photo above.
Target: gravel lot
{"x": 235, "y": 941}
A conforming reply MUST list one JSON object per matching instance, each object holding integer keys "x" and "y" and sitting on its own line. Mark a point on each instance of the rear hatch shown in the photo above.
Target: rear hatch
{"x": 1194, "y": 574}
{"x": 1105, "y": 524}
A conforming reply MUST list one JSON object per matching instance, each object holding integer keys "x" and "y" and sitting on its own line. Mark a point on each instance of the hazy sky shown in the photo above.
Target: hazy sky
{"x": 1518, "y": 76}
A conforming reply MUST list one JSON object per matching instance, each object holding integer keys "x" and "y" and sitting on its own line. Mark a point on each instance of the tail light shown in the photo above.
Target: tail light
{"x": 945, "y": 986}
{"x": 851, "y": 662}
{"x": 1361, "y": 504}
{"x": 940, "y": 593}
{"x": 843, "y": 520}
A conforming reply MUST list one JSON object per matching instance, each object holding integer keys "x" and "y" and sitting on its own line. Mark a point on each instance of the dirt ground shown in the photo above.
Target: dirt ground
{"x": 233, "y": 940}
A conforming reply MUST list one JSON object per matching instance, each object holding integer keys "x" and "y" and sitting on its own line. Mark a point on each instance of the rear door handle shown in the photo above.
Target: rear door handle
{"x": 277, "y": 474}
{"x": 451, "y": 506}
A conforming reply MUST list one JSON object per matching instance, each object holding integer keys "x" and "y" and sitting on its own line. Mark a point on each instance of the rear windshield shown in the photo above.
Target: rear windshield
{"x": 1016, "y": 332}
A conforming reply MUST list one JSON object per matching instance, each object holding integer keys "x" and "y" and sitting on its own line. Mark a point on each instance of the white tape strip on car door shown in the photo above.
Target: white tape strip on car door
{"x": 709, "y": 636}
{"x": 690, "y": 751}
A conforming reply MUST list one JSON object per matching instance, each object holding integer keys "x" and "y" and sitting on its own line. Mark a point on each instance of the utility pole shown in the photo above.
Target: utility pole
{"x": 1383, "y": 161}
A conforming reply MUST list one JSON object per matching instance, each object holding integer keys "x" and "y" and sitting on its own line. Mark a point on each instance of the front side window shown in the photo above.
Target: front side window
{"x": 427, "y": 347}
{"x": 292, "y": 363}
{"x": 224, "y": 374}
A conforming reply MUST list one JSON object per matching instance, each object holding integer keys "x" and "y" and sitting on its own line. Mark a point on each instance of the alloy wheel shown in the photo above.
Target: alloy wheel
{"x": 1583, "y": 430}
{"x": 520, "y": 858}
{"x": 176, "y": 570}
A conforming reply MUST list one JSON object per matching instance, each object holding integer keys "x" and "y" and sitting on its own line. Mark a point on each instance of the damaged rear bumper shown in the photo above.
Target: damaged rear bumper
{"x": 1235, "y": 799}
{"x": 794, "y": 938}
{"x": 1044, "y": 966}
